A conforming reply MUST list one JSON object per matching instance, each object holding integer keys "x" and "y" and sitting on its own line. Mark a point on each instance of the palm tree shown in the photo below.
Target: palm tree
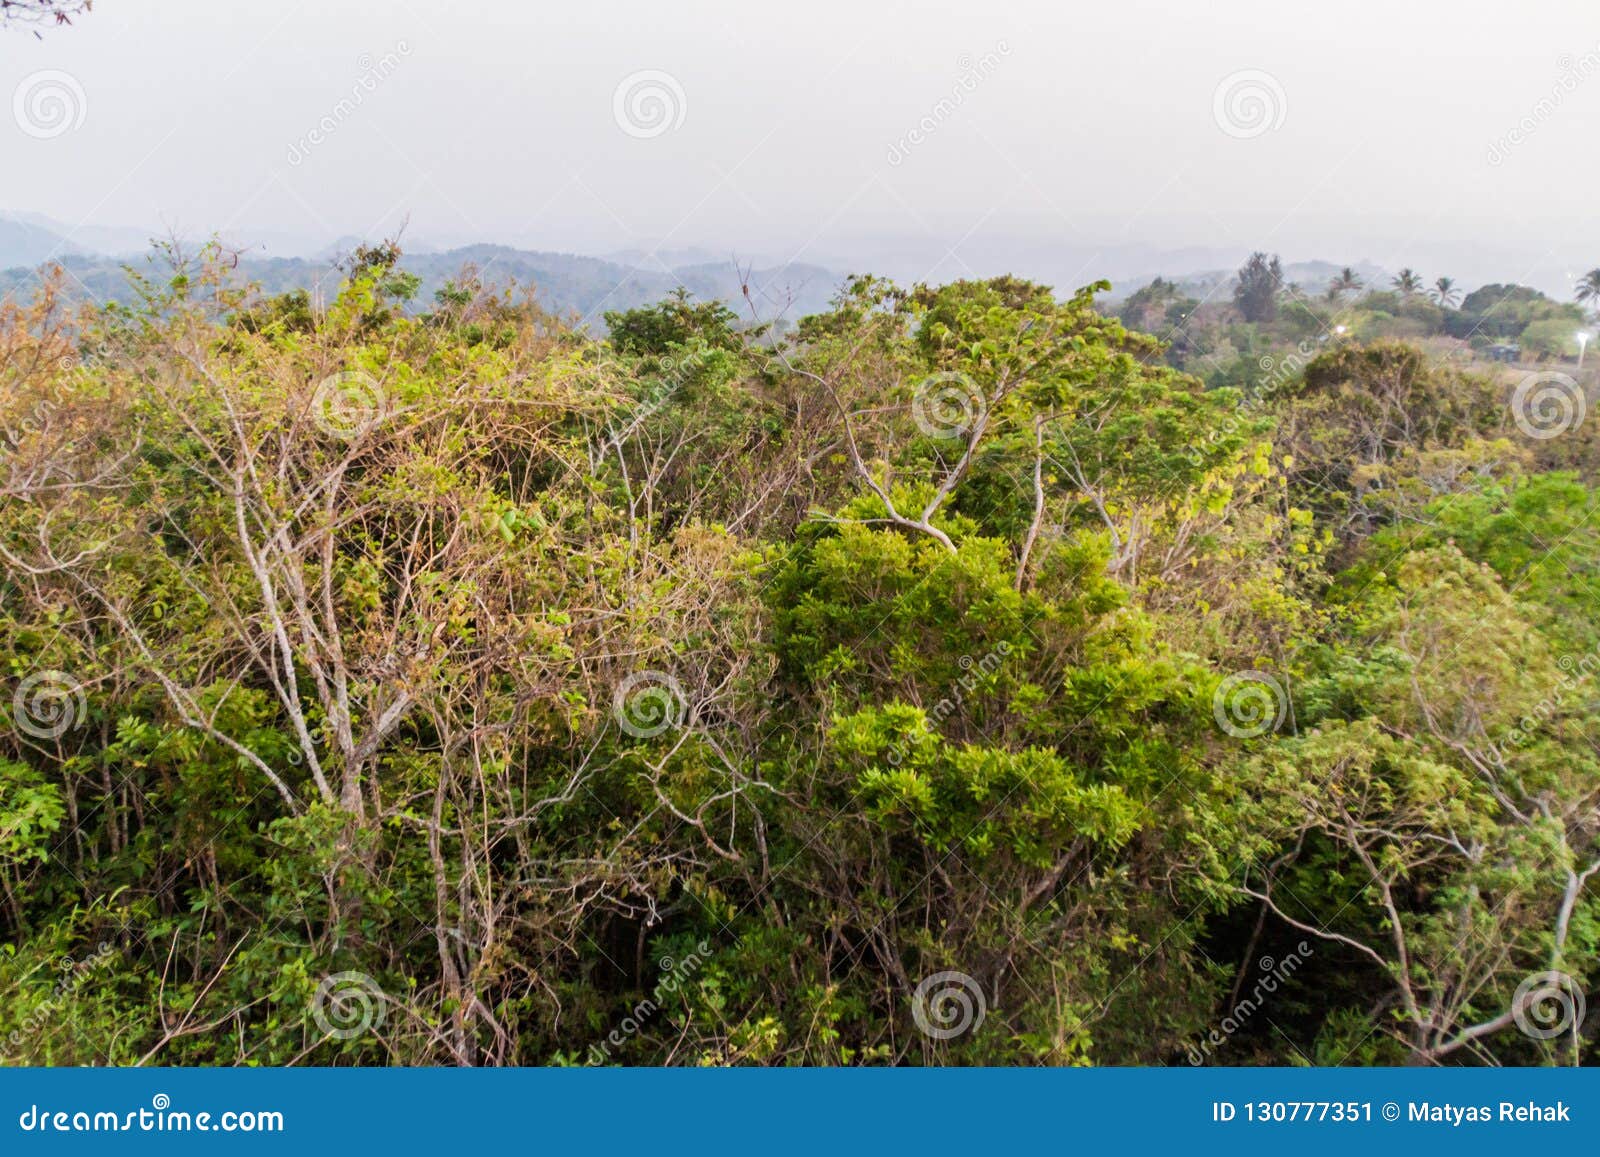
{"x": 1445, "y": 292}
{"x": 1347, "y": 282}
{"x": 1407, "y": 281}
{"x": 1588, "y": 291}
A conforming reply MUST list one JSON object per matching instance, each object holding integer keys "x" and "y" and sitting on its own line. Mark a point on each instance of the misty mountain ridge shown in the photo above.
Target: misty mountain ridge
{"x": 94, "y": 258}
{"x": 564, "y": 283}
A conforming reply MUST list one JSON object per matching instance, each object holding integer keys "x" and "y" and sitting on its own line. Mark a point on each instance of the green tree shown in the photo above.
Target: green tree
{"x": 1257, "y": 286}
{"x": 1412, "y": 801}
{"x": 1347, "y": 283}
{"x": 1549, "y": 339}
{"x": 1407, "y": 282}
{"x": 1588, "y": 289}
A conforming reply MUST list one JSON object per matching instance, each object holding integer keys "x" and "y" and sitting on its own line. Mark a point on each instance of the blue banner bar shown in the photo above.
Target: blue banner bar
{"x": 800, "y": 1111}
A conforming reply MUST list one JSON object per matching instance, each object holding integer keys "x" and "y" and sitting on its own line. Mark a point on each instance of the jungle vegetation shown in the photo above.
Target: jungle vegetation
{"x": 402, "y": 682}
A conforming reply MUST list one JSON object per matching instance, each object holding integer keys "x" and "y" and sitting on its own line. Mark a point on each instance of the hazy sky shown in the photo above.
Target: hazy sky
{"x": 1044, "y": 131}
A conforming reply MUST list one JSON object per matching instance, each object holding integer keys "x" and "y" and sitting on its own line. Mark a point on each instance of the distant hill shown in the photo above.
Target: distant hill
{"x": 564, "y": 283}
{"x": 585, "y": 287}
{"x": 25, "y": 242}
{"x": 1311, "y": 276}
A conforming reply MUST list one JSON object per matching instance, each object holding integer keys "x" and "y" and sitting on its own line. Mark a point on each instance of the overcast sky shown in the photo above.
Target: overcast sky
{"x": 941, "y": 140}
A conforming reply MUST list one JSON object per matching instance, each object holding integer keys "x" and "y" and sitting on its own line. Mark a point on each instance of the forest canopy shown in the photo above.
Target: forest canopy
{"x": 944, "y": 679}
